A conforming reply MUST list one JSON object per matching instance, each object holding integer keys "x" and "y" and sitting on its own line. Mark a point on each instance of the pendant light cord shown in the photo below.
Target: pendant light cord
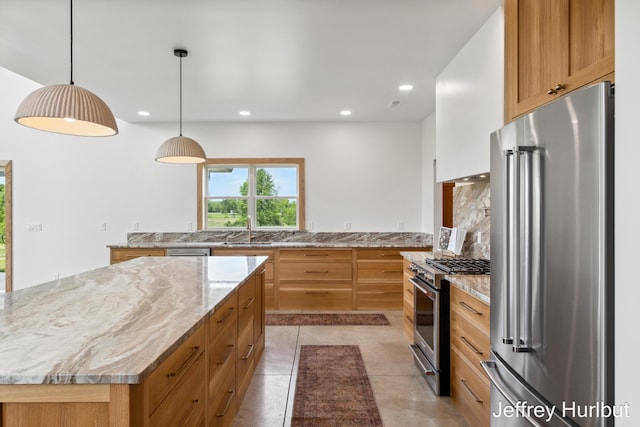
{"x": 180, "y": 95}
{"x": 71, "y": 38}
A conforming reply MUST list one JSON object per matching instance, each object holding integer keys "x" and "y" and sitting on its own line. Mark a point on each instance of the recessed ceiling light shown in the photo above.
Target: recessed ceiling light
{"x": 144, "y": 113}
{"x": 245, "y": 113}
{"x": 345, "y": 113}
{"x": 405, "y": 87}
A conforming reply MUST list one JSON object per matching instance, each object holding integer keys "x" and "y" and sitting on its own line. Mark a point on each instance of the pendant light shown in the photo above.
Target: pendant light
{"x": 67, "y": 109}
{"x": 180, "y": 149}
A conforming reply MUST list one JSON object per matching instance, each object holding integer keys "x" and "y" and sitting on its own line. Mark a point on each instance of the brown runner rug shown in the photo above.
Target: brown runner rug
{"x": 325, "y": 319}
{"x": 333, "y": 389}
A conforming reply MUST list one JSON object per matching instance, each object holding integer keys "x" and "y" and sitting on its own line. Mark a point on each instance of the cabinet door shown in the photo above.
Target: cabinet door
{"x": 553, "y": 47}
{"x": 536, "y": 45}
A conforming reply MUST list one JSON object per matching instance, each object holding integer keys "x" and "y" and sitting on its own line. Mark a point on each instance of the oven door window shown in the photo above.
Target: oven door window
{"x": 425, "y": 317}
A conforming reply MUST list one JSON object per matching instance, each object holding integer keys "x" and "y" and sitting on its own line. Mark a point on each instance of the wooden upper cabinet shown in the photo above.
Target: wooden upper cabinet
{"x": 553, "y": 47}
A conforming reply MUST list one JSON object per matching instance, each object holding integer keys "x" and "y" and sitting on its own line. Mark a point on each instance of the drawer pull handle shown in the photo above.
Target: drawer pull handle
{"x": 392, "y": 271}
{"x": 250, "y": 303}
{"x": 471, "y": 309}
{"x": 466, "y": 386}
{"x": 228, "y": 353}
{"x": 228, "y": 316}
{"x": 316, "y": 292}
{"x": 409, "y": 318}
{"x": 226, "y": 406}
{"x": 409, "y": 291}
{"x": 316, "y": 272}
{"x": 186, "y": 363}
{"x": 471, "y": 346}
{"x": 316, "y": 254}
{"x": 194, "y": 406}
{"x": 248, "y": 355}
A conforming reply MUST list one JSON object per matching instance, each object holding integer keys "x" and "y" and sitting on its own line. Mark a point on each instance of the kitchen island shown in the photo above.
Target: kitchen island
{"x": 152, "y": 341}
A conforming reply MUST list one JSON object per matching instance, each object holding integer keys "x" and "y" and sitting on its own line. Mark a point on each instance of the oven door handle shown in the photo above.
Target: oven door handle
{"x": 420, "y": 286}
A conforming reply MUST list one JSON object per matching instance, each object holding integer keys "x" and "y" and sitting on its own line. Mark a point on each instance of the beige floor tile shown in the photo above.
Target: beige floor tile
{"x": 265, "y": 402}
{"x": 280, "y": 350}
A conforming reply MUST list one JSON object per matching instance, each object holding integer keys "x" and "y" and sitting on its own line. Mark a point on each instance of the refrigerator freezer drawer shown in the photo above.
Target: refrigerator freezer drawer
{"x": 514, "y": 405}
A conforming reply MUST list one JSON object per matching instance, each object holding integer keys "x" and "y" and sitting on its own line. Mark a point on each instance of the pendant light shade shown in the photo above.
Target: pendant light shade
{"x": 180, "y": 149}
{"x": 67, "y": 109}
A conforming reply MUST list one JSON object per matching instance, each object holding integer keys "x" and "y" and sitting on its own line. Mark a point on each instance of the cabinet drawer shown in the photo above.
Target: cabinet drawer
{"x": 185, "y": 405}
{"x": 247, "y": 305}
{"x": 120, "y": 255}
{"x": 338, "y": 271}
{"x": 328, "y": 298}
{"x": 164, "y": 378}
{"x": 408, "y": 290}
{"x": 222, "y": 358}
{"x": 224, "y": 317}
{"x": 310, "y": 255}
{"x": 469, "y": 340}
{"x": 407, "y": 321}
{"x": 470, "y": 392}
{"x": 224, "y": 402}
{"x": 379, "y": 300}
{"x": 379, "y": 271}
{"x": 380, "y": 254}
{"x": 471, "y": 308}
{"x": 244, "y": 252}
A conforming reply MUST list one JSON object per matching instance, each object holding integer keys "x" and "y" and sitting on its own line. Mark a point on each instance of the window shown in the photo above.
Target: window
{"x": 267, "y": 192}
{"x": 5, "y": 226}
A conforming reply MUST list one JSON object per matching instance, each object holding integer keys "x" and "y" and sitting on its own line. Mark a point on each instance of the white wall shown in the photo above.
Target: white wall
{"x": 428, "y": 176}
{"x": 469, "y": 103}
{"x": 627, "y": 206}
{"x": 365, "y": 173}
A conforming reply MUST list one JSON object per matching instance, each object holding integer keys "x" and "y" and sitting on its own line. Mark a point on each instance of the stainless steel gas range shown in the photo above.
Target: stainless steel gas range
{"x": 431, "y": 315}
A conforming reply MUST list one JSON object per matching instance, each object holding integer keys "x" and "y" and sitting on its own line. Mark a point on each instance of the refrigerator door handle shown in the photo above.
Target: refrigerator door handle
{"x": 524, "y": 181}
{"x": 491, "y": 368}
{"x": 507, "y": 160}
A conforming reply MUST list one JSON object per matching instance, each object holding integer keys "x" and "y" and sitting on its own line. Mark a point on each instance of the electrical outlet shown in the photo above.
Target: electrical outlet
{"x": 56, "y": 276}
{"x": 400, "y": 225}
{"x": 347, "y": 225}
{"x": 136, "y": 226}
{"x": 310, "y": 225}
{"x": 103, "y": 226}
{"x": 189, "y": 226}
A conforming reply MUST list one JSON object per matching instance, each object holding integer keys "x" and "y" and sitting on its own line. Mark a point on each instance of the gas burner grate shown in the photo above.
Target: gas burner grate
{"x": 460, "y": 265}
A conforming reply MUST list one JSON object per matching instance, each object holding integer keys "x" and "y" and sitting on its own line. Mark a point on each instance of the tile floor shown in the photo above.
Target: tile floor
{"x": 403, "y": 397}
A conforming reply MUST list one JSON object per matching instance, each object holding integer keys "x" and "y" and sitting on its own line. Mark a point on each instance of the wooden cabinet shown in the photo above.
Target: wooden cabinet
{"x": 247, "y": 304}
{"x": 470, "y": 344}
{"x": 553, "y": 47}
{"x": 316, "y": 279}
{"x": 174, "y": 393}
{"x": 125, "y": 254}
{"x": 408, "y": 312}
{"x": 270, "y": 296}
{"x": 222, "y": 345}
{"x": 379, "y": 279}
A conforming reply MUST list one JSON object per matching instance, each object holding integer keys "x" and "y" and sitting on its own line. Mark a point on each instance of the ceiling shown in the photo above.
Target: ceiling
{"x": 283, "y": 60}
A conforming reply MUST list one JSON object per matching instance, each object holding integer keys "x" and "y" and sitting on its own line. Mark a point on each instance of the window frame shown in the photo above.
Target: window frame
{"x": 249, "y": 162}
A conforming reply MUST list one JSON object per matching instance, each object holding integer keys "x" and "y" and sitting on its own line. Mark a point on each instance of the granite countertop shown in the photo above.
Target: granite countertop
{"x": 477, "y": 285}
{"x": 114, "y": 324}
{"x": 275, "y": 239}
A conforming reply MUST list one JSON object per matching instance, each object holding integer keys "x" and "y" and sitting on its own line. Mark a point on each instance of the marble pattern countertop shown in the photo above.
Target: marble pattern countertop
{"x": 477, "y": 285}
{"x": 276, "y": 239}
{"x": 114, "y": 324}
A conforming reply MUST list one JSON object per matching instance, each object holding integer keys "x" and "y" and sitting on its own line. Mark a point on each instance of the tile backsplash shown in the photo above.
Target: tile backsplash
{"x": 471, "y": 210}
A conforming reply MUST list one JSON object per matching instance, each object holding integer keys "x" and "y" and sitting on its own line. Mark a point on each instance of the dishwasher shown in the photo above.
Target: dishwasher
{"x": 188, "y": 252}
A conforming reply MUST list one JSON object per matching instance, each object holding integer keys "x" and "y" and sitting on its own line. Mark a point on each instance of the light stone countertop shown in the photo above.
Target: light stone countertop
{"x": 477, "y": 285}
{"x": 114, "y": 324}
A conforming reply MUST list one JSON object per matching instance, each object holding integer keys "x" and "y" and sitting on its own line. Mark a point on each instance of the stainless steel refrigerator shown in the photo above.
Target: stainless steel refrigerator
{"x": 552, "y": 264}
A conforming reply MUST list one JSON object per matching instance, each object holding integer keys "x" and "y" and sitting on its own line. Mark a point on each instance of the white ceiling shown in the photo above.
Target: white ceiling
{"x": 284, "y": 60}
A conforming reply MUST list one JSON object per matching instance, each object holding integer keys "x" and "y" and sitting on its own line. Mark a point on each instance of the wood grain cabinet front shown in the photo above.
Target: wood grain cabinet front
{"x": 408, "y": 323}
{"x": 379, "y": 279}
{"x": 245, "y": 365}
{"x": 316, "y": 278}
{"x": 470, "y": 385}
{"x": 126, "y": 254}
{"x": 553, "y": 47}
